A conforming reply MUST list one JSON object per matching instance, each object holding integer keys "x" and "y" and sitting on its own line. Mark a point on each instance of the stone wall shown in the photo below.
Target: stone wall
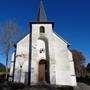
{"x": 65, "y": 74}
{"x": 22, "y": 58}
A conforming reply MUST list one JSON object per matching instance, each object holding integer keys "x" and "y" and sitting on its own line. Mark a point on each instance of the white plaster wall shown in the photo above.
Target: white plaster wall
{"x": 49, "y": 37}
{"x": 22, "y": 57}
{"x": 11, "y": 67}
{"x": 35, "y": 62}
{"x": 63, "y": 66}
{"x": 72, "y": 70}
{"x": 40, "y": 46}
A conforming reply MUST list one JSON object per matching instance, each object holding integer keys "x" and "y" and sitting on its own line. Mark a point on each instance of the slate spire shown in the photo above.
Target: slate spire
{"x": 41, "y": 13}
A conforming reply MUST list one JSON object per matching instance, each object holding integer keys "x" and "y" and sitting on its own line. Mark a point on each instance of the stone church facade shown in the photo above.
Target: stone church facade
{"x": 43, "y": 56}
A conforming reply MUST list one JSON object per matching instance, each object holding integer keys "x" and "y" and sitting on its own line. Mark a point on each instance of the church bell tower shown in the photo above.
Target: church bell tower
{"x": 42, "y": 62}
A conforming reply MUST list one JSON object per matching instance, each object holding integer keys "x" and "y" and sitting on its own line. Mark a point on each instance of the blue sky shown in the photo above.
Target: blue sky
{"x": 71, "y": 17}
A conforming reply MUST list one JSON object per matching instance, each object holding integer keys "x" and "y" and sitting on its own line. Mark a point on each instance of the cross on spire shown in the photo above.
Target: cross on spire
{"x": 41, "y": 13}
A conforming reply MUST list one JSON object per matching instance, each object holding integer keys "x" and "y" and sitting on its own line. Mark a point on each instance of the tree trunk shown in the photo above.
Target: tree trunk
{"x": 7, "y": 56}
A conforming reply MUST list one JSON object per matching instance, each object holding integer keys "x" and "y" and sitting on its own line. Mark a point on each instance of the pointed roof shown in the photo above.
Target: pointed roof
{"x": 41, "y": 13}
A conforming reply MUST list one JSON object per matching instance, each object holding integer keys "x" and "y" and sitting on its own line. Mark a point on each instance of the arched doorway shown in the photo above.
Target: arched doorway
{"x": 42, "y": 71}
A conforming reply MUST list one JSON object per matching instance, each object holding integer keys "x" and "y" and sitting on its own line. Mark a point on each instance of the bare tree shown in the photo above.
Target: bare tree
{"x": 9, "y": 33}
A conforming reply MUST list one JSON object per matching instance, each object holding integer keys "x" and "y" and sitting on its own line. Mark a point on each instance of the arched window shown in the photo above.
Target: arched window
{"x": 42, "y": 29}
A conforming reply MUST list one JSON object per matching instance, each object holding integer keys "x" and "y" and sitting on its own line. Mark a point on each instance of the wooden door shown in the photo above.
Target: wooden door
{"x": 41, "y": 72}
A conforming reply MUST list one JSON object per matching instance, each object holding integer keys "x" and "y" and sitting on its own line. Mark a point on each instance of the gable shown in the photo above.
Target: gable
{"x": 61, "y": 39}
{"x": 23, "y": 45}
{"x": 24, "y": 40}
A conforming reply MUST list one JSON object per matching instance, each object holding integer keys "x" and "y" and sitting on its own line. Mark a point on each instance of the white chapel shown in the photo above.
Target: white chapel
{"x": 42, "y": 56}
